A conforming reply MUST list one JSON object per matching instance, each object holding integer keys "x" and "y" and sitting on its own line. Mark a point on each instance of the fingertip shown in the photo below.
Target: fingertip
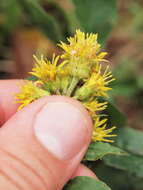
{"x": 63, "y": 126}
{"x": 76, "y": 103}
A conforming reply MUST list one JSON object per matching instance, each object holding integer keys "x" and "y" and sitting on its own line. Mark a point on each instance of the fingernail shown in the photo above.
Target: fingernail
{"x": 62, "y": 128}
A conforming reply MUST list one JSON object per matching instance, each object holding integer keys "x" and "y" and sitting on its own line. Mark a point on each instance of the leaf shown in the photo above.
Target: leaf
{"x": 130, "y": 140}
{"x": 73, "y": 22}
{"x": 96, "y": 15}
{"x": 97, "y": 150}
{"x": 130, "y": 163}
{"x": 126, "y": 88}
{"x": 11, "y": 12}
{"x": 86, "y": 183}
{"x": 115, "y": 116}
{"x": 136, "y": 182}
{"x": 60, "y": 14}
{"x": 115, "y": 178}
{"x": 66, "y": 13}
{"x": 140, "y": 82}
{"x": 39, "y": 17}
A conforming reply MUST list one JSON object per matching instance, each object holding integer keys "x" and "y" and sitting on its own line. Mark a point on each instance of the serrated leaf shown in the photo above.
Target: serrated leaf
{"x": 130, "y": 163}
{"x": 86, "y": 183}
{"x": 97, "y": 150}
{"x": 96, "y": 15}
{"x": 131, "y": 140}
{"x": 39, "y": 17}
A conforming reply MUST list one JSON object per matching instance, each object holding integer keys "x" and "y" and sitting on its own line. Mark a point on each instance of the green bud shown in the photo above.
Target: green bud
{"x": 81, "y": 71}
{"x": 51, "y": 86}
{"x": 83, "y": 93}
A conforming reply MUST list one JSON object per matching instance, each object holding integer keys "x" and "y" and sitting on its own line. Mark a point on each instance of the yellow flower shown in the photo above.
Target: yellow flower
{"x": 29, "y": 93}
{"x": 83, "y": 46}
{"x": 94, "y": 107}
{"x": 99, "y": 82}
{"x": 46, "y": 70}
{"x": 96, "y": 85}
{"x": 100, "y": 133}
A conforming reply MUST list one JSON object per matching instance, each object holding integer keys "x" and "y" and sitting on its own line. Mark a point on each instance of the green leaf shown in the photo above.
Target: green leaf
{"x": 130, "y": 140}
{"x": 73, "y": 22}
{"x": 115, "y": 116}
{"x": 39, "y": 17}
{"x": 86, "y": 183}
{"x": 124, "y": 90}
{"x": 130, "y": 163}
{"x": 140, "y": 82}
{"x": 69, "y": 19}
{"x": 60, "y": 14}
{"x": 96, "y": 15}
{"x": 136, "y": 182}
{"x": 97, "y": 150}
{"x": 11, "y": 12}
{"x": 115, "y": 178}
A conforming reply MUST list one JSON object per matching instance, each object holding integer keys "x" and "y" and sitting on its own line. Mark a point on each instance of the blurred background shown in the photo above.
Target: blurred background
{"x": 30, "y": 27}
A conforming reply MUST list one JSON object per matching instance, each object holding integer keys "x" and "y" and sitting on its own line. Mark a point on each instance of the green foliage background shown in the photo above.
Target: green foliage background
{"x": 119, "y": 24}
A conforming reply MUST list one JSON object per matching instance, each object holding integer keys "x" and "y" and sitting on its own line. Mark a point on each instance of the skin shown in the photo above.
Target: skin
{"x": 32, "y": 154}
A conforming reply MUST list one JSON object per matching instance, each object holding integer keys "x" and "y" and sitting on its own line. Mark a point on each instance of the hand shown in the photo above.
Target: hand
{"x": 41, "y": 146}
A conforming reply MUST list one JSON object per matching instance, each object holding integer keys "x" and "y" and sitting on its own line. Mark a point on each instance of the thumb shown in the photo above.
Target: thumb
{"x": 42, "y": 145}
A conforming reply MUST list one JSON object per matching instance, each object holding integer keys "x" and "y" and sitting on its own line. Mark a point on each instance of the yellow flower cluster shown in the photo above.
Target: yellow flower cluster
{"x": 78, "y": 73}
{"x": 83, "y": 46}
{"x": 29, "y": 92}
{"x": 100, "y": 132}
{"x": 91, "y": 106}
{"x": 46, "y": 70}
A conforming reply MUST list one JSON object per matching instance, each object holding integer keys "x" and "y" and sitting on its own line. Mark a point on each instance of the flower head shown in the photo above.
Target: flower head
{"x": 80, "y": 75}
{"x": 100, "y": 133}
{"x": 96, "y": 85}
{"x": 29, "y": 93}
{"x": 83, "y": 46}
{"x": 99, "y": 82}
{"x": 94, "y": 107}
{"x": 46, "y": 70}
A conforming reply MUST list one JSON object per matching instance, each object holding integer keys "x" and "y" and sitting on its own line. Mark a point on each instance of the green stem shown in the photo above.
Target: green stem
{"x": 72, "y": 86}
{"x": 65, "y": 89}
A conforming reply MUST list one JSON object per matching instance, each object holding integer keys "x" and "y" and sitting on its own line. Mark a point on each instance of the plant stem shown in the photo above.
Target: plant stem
{"x": 72, "y": 86}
